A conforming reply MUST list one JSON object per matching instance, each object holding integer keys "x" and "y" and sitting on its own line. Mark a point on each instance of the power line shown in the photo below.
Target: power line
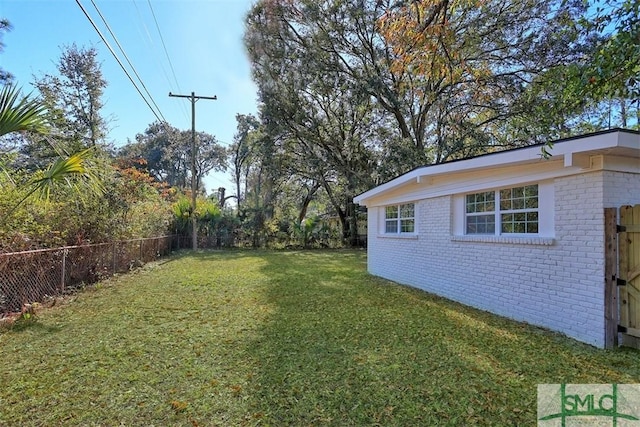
{"x": 152, "y": 48}
{"x": 164, "y": 46}
{"x": 127, "y": 58}
{"x": 120, "y": 62}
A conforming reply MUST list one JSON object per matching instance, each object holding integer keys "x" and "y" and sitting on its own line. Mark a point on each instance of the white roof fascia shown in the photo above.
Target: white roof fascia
{"x": 574, "y": 152}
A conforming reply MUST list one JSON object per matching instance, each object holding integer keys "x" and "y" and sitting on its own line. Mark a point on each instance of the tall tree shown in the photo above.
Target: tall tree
{"x": 156, "y": 146}
{"x": 322, "y": 117}
{"x": 263, "y": 179}
{"x": 211, "y": 156}
{"x": 358, "y": 91}
{"x": 73, "y": 100}
{"x": 600, "y": 89}
{"x": 241, "y": 151}
{"x": 469, "y": 64}
{"x": 451, "y": 74}
{"x": 610, "y": 75}
{"x": 167, "y": 154}
{"x": 74, "y": 96}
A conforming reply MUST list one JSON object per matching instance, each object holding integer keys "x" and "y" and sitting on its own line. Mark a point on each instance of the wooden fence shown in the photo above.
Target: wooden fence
{"x": 622, "y": 276}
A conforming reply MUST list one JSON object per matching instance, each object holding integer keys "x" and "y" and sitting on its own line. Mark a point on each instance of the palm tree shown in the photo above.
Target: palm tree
{"x": 21, "y": 114}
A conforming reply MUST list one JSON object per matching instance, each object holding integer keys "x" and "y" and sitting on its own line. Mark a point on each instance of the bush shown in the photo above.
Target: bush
{"x": 131, "y": 207}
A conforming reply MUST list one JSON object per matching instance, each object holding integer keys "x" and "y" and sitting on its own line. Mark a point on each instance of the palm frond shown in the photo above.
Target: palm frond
{"x": 20, "y": 113}
{"x": 69, "y": 170}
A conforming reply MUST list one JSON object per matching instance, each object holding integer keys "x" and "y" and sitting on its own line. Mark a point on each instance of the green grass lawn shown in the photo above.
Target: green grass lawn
{"x": 278, "y": 339}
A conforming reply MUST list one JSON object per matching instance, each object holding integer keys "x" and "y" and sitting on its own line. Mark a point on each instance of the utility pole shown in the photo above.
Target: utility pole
{"x": 194, "y": 189}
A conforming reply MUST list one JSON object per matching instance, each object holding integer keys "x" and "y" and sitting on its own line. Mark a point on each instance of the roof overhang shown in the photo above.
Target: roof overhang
{"x": 576, "y": 154}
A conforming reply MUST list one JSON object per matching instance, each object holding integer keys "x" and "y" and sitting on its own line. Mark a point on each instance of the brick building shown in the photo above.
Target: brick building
{"x": 510, "y": 232}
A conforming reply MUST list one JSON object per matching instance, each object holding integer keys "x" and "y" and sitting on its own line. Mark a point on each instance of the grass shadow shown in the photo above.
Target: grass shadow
{"x": 344, "y": 348}
{"x": 31, "y": 325}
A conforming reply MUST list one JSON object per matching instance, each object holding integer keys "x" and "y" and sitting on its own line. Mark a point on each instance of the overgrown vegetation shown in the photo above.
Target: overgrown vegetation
{"x": 350, "y": 94}
{"x": 59, "y": 182}
{"x": 71, "y": 213}
{"x": 282, "y": 338}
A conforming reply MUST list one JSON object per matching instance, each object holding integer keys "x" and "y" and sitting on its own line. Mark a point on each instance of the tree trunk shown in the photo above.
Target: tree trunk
{"x": 353, "y": 223}
{"x": 306, "y": 201}
{"x": 341, "y": 213}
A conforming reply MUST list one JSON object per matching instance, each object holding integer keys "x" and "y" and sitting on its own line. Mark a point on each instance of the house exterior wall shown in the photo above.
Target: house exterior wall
{"x": 559, "y": 285}
{"x": 621, "y": 188}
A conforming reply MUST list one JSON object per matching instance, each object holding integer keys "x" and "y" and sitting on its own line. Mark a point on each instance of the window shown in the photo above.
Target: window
{"x": 506, "y": 211}
{"x": 481, "y": 218}
{"x": 399, "y": 219}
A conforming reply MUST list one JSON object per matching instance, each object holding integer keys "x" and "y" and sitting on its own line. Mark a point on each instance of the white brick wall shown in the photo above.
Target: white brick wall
{"x": 560, "y": 287}
{"x": 621, "y": 189}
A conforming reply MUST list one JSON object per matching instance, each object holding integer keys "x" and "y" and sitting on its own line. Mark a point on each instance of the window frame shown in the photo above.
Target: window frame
{"x": 494, "y": 220}
{"x": 400, "y": 221}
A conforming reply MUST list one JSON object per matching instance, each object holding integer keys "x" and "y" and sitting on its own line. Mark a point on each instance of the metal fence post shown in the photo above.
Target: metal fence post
{"x": 64, "y": 268}
{"x": 113, "y": 258}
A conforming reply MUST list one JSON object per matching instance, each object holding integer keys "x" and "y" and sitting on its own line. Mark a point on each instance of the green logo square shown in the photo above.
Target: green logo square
{"x": 566, "y": 405}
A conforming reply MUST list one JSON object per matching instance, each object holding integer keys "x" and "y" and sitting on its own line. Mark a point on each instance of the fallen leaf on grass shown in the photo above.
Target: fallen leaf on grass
{"x": 179, "y": 406}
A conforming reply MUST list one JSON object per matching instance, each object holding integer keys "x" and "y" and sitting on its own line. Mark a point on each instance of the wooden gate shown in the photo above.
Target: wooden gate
{"x": 622, "y": 290}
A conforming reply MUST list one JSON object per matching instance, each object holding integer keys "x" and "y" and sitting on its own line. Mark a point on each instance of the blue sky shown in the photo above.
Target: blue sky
{"x": 203, "y": 39}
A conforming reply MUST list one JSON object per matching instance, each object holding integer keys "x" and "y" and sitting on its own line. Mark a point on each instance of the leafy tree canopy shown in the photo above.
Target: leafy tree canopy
{"x": 167, "y": 154}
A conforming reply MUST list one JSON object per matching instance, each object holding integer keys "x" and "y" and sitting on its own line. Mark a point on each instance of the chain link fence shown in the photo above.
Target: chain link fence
{"x": 34, "y": 276}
